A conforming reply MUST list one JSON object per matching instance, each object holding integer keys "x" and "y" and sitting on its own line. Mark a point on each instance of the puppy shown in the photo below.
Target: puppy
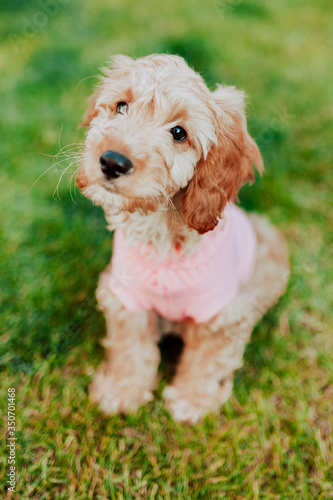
{"x": 165, "y": 157}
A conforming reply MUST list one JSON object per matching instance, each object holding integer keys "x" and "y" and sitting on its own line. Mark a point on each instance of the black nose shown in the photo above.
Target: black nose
{"x": 114, "y": 165}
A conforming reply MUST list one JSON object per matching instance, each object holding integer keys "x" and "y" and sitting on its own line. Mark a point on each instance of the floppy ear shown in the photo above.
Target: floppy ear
{"x": 91, "y": 112}
{"x": 228, "y": 165}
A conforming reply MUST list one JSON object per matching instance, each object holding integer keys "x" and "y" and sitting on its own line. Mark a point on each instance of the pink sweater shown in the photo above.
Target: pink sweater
{"x": 193, "y": 287}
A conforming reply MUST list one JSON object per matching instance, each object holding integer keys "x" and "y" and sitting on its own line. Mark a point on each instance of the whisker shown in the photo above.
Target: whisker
{"x": 59, "y": 136}
{"x": 60, "y": 179}
{"x": 63, "y": 151}
{"x": 71, "y": 153}
{"x": 70, "y": 184}
{"x": 41, "y": 175}
{"x": 172, "y": 206}
{"x": 87, "y": 78}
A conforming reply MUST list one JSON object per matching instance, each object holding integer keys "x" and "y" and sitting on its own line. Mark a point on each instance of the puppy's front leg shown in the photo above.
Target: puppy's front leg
{"x": 126, "y": 379}
{"x": 204, "y": 378}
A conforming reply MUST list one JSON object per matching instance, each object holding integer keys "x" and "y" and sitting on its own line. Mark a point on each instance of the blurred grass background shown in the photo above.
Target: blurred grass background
{"x": 273, "y": 438}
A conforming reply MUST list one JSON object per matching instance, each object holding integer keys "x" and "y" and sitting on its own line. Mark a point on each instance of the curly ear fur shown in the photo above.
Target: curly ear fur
{"x": 91, "y": 112}
{"x": 228, "y": 165}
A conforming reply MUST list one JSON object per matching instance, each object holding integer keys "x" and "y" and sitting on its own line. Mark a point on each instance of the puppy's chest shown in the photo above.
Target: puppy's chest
{"x": 180, "y": 287}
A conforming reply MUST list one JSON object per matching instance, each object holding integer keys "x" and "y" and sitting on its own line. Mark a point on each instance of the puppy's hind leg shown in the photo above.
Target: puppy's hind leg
{"x": 214, "y": 350}
{"x": 204, "y": 378}
{"x": 127, "y": 378}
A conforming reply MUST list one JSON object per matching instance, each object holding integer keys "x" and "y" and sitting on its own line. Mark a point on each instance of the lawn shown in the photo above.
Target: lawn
{"x": 273, "y": 439}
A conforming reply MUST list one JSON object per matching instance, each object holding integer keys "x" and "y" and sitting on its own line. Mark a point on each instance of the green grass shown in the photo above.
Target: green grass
{"x": 273, "y": 438}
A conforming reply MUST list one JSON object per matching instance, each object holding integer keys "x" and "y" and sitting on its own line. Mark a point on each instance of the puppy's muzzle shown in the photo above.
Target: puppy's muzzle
{"x": 114, "y": 165}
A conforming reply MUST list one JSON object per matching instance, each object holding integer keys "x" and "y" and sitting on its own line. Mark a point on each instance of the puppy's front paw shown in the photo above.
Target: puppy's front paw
{"x": 117, "y": 395}
{"x": 189, "y": 406}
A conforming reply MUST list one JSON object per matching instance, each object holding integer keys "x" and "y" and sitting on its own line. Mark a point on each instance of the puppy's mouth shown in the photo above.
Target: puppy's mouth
{"x": 110, "y": 188}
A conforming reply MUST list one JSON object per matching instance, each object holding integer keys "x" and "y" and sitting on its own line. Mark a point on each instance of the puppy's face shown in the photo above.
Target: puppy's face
{"x": 154, "y": 128}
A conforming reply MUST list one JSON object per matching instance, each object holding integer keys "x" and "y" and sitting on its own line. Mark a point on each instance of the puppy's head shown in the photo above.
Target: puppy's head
{"x": 155, "y": 129}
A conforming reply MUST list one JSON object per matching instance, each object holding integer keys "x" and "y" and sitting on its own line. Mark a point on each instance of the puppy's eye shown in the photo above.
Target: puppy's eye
{"x": 178, "y": 134}
{"x": 121, "y": 108}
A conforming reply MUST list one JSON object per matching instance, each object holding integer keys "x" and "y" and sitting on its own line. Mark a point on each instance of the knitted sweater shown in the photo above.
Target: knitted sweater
{"x": 193, "y": 287}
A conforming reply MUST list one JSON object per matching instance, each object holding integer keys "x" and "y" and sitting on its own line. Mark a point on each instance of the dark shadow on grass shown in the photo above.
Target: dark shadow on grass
{"x": 53, "y": 68}
{"x": 18, "y": 6}
{"x": 171, "y": 347}
{"x": 247, "y": 9}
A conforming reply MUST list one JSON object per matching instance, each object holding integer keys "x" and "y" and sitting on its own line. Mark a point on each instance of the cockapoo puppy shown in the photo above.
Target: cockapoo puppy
{"x": 165, "y": 157}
